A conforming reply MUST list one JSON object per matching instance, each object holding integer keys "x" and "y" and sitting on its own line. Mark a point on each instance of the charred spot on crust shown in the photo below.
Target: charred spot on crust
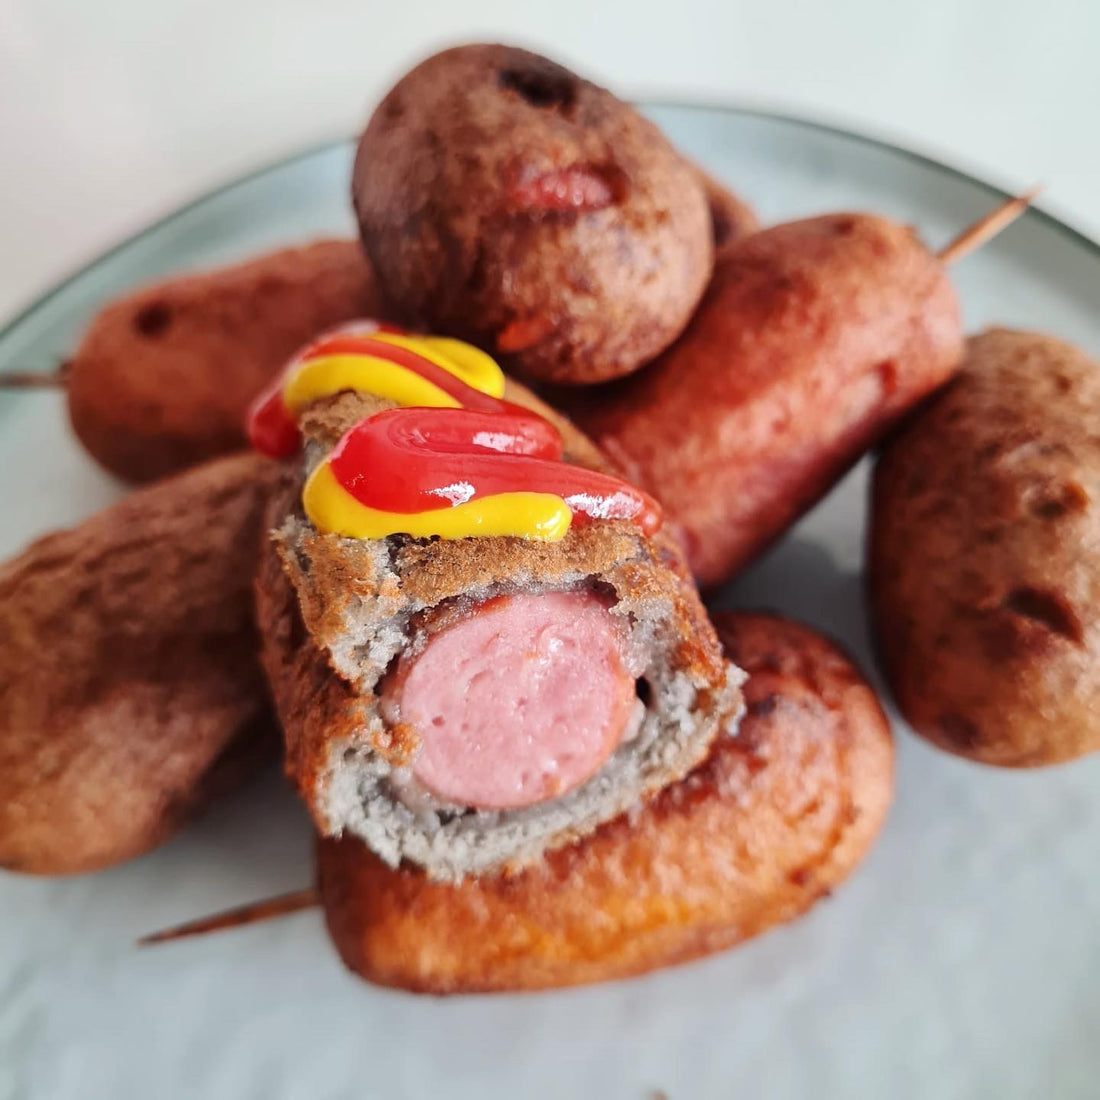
{"x": 1049, "y": 609}
{"x": 541, "y": 83}
{"x": 959, "y": 731}
{"x": 1054, "y": 501}
{"x": 393, "y": 108}
{"x": 153, "y": 320}
{"x": 761, "y": 708}
{"x": 887, "y": 372}
{"x": 801, "y": 877}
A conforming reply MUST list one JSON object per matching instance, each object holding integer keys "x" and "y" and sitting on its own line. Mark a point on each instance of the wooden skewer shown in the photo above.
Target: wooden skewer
{"x": 970, "y": 239}
{"x": 35, "y": 380}
{"x": 253, "y": 913}
{"x": 987, "y": 227}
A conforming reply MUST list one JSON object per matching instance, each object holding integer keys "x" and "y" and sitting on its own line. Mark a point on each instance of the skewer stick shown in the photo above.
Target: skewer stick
{"x": 987, "y": 227}
{"x": 253, "y": 913}
{"x": 35, "y": 380}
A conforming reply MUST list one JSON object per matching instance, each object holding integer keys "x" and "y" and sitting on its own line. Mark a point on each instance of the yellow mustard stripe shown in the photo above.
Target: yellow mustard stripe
{"x": 317, "y": 378}
{"x": 542, "y": 517}
{"x": 467, "y": 363}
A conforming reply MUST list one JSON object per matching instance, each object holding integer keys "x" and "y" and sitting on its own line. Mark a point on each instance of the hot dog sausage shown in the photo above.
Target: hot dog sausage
{"x": 812, "y": 339}
{"x": 771, "y": 821}
{"x": 552, "y": 664}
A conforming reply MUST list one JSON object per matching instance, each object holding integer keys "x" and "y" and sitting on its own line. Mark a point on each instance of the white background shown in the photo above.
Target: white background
{"x": 114, "y": 111}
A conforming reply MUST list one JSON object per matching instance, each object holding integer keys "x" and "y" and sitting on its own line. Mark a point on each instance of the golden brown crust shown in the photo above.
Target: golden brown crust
{"x": 983, "y": 568}
{"x": 314, "y": 705}
{"x": 130, "y": 691}
{"x": 299, "y": 620}
{"x": 812, "y": 339}
{"x": 451, "y": 213}
{"x": 163, "y": 377}
{"x": 772, "y": 821}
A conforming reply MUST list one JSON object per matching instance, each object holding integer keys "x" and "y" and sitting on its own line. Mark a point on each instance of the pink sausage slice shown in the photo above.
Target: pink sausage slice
{"x": 518, "y": 702}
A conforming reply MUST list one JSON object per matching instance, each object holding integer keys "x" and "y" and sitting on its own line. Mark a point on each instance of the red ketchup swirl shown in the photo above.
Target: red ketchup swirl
{"x": 408, "y": 461}
{"x": 272, "y": 427}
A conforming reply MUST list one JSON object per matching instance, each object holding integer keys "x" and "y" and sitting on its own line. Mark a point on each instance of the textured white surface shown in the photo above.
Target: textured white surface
{"x": 959, "y": 962}
{"x": 113, "y": 112}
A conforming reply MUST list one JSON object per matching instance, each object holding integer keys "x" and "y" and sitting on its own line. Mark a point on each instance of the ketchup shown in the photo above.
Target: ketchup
{"x": 380, "y": 359}
{"x": 453, "y": 460}
{"x": 447, "y": 463}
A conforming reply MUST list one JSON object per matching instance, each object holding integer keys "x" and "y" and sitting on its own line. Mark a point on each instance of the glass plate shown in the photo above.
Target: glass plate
{"x": 961, "y": 960}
